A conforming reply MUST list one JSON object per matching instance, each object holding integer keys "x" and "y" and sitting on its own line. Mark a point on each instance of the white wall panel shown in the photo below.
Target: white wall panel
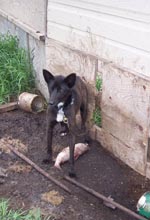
{"x": 32, "y": 13}
{"x": 118, "y": 31}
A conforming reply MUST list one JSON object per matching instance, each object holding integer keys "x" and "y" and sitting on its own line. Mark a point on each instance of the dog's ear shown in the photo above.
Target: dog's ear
{"x": 48, "y": 76}
{"x": 70, "y": 80}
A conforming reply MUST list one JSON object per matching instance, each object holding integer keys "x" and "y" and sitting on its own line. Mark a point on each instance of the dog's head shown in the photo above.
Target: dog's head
{"x": 59, "y": 86}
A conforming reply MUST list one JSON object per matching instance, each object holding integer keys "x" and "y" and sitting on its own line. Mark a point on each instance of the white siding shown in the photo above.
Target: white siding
{"x": 118, "y": 31}
{"x": 31, "y": 13}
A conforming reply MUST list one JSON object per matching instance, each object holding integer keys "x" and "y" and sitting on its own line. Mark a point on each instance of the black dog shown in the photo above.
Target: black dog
{"x": 68, "y": 95}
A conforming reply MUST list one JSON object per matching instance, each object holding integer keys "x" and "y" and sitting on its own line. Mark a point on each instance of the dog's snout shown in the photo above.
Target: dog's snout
{"x": 51, "y": 102}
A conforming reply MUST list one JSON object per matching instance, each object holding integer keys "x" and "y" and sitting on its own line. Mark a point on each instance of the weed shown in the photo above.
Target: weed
{"x": 97, "y": 117}
{"x": 16, "y": 72}
{"x": 8, "y": 214}
{"x": 98, "y": 82}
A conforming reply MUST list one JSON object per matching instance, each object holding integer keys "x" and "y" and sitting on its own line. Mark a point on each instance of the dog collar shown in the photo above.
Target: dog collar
{"x": 60, "y": 117}
{"x": 72, "y": 101}
{"x": 60, "y": 105}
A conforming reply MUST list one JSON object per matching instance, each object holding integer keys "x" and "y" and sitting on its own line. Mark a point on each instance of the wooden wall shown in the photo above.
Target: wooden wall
{"x": 110, "y": 38}
{"x": 125, "y": 115}
{"x": 90, "y": 37}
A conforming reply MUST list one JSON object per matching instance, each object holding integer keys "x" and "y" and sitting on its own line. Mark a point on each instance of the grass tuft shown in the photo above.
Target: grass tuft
{"x": 8, "y": 214}
{"x": 16, "y": 72}
{"x": 97, "y": 117}
{"x": 98, "y": 82}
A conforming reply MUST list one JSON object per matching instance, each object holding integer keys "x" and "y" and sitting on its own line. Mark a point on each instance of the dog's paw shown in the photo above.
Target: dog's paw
{"x": 72, "y": 174}
{"x": 47, "y": 161}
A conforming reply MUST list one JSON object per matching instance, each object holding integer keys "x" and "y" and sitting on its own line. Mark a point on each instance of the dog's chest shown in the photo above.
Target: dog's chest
{"x": 60, "y": 113}
{"x": 61, "y": 117}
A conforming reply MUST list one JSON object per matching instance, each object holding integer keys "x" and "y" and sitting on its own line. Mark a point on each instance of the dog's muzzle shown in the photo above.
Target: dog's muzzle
{"x": 51, "y": 103}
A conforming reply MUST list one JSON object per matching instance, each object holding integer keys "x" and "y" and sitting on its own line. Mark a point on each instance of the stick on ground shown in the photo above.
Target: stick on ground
{"x": 8, "y": 107}
{"x": 100, "y": 196}
{"x": 36, "y": 167}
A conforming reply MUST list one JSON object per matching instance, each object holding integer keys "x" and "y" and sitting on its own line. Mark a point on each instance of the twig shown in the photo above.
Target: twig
{"x": 23, "y": 157}
{"x": 100, "y": 196}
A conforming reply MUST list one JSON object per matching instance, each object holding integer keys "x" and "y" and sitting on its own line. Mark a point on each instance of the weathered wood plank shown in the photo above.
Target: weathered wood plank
{"x": 125, "y": 116}
{"x": 126, "y": 130}
{"x": 127, "y": 93}
{"x": 62, "y": 60}
{"x": 148, "y": 170}
{"x": 8, "y": 107}
{"x": 135, "y": 159}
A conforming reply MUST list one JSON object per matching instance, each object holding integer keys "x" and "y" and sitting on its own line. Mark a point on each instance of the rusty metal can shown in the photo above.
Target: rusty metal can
{"x": 31, "y": 102}
{"x": 143, "y": 205}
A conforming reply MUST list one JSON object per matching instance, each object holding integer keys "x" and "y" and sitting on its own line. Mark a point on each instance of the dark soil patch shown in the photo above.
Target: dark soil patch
{"x": 96, "y": 169}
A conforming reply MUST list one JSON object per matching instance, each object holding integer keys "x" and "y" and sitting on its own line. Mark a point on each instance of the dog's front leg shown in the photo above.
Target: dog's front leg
{"x": 72, "y": 140}
{"x": 50, "y": 127}
{"x": 72, "y": 145}
{"x": 49, "y": 135}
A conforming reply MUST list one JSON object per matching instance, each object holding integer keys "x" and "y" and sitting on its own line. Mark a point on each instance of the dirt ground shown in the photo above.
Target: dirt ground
{"x": 97, "y": 169}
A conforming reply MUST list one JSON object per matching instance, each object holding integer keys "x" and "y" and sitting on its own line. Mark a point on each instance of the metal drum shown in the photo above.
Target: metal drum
{"x": 143, "y": 205}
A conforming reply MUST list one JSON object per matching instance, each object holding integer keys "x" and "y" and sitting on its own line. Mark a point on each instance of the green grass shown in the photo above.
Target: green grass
{"x": 16, "y": 72}
{"x": 97, "y": 117}
{"x": 97, "y": 112}
{"x": 98, "y": 82}
{"x": 8, "y": 214}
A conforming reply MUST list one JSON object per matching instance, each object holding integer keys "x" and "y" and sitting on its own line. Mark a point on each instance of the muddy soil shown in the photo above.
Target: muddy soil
{"x": 97, "y": 169}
